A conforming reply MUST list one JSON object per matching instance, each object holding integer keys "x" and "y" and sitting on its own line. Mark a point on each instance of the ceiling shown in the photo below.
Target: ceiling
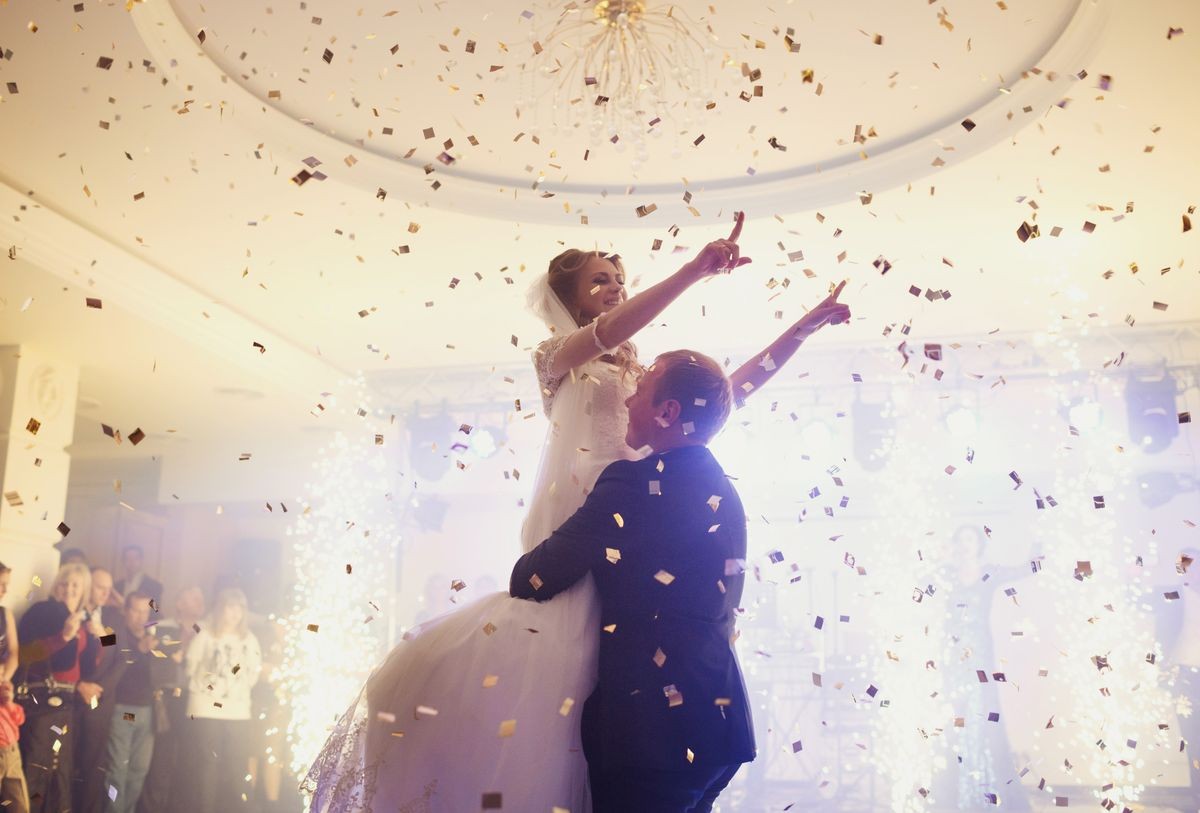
{"x": 162, "y": 184}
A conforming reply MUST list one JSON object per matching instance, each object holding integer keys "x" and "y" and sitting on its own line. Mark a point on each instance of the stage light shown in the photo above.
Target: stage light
{"x": 430, "y": 438}
{"x": 1150, "y": 401}
{"x": 429, "y": 512}
{"x": 1157, "y": 488}
{"x": 1084, "y": 415}
{"x": 962, "y": 423}
{"x": 485, "y": 441}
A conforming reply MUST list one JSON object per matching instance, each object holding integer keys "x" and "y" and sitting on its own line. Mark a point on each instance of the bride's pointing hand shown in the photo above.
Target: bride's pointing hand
{"x": 720, "y": 256}
{"x": 828, "y": 312}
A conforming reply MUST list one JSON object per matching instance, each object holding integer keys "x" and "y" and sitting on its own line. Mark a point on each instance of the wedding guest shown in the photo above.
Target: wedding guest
{"x": 70, "y": 556}
{"x": 102, "y": 599}
{"x": 9, "y": 644}
{"x": 58, "y": 660}
{"x": 14, "y": 795}
{"x": 94, "y": 723}
{"x": 130, "y": 740}
{"x": 169, "y": 681}
{"x": 133, "y": 561}
{"x": 223, "y": 664}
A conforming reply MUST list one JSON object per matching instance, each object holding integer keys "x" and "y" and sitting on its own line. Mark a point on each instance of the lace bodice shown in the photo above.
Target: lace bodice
{"x": 607, "y": 389}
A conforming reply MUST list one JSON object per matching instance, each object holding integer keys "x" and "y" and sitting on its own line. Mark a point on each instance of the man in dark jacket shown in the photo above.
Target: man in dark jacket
{"x": 665, "y": 539}
{"x": 119, "y": 733}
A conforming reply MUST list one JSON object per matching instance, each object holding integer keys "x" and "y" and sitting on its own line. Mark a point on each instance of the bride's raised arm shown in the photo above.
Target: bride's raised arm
{"x": 750, "y": 377}
{"x": 621, "y": 323}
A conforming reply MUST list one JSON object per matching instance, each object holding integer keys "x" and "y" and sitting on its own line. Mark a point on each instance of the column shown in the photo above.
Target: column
{"x": 37, "y": 423}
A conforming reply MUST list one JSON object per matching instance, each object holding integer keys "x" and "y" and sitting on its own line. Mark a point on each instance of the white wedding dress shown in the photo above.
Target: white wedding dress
{"x": 482, "y": 707}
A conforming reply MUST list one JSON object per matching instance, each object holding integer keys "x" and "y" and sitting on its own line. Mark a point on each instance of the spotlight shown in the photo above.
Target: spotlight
{"x": 485, "y": 441}
{"x": 962, "y": 423}
{"x": 429, "y": 513}
{"x": 1157, "y": 488}
{"x": 429, "y": 444}
{"x": 1084, "y": 414}
{"x": 1150, "y": 401}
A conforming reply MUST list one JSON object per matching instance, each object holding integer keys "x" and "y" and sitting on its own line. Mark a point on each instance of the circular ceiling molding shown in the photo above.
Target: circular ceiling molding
{"x": 422, "y": 104}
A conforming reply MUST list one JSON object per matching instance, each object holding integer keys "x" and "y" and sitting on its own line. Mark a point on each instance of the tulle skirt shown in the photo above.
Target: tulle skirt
{"x": 483, "y": 703}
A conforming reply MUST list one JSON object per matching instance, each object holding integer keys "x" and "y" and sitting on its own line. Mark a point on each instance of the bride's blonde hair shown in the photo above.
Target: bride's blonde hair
{"x": 564, "y": 277}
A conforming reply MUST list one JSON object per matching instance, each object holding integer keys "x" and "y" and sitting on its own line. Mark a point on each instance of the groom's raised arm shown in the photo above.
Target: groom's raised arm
{"x": 581, "y": 542}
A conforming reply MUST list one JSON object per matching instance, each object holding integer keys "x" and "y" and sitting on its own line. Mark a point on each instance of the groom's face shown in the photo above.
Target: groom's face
{"x": 642, "y": 413}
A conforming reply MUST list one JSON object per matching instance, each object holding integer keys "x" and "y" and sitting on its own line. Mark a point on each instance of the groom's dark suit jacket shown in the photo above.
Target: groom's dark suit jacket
{"x": 665, "y": 539}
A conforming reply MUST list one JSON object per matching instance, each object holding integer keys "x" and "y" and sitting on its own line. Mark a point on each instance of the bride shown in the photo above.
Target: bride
{"x": 479, "y": 709}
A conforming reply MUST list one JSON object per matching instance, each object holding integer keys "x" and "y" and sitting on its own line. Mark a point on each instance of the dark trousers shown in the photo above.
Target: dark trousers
{"x": 159, "y": 791}
{"x": 91, "y": 737}
{"x": 630, "y": 789}
{"x": 215, "y": 764}
{"x": 627, "y": 789}
{"x": 48, "y": 774}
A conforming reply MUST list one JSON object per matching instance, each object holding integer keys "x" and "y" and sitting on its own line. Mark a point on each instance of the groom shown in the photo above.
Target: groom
{"x": 665, "y": 538}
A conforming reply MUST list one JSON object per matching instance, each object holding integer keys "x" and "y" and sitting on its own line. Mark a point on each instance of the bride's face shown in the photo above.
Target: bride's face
{"x": 599, "y": 287}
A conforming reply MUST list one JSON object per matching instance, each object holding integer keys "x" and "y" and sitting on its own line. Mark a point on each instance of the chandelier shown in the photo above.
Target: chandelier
{"x": 621, "y": 68}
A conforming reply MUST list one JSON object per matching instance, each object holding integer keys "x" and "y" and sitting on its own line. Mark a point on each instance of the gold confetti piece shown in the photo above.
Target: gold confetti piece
{"x": 567, "y": 705}
{"x": 612, "y": 555}
{"x": 314, "y": 627}
{"x": 424, "y": 711}
{"x": 507, "y": 728}
{"x": 664, "y": 577}
{"x": 33, "y": 426}
{"x": 659, "y": 658}
{"x": 93, "y": 302}
{"x": 490, "y": 680}
{"x": 610, "y": 628}
{"x": 619, "y": 520}
{"x": 536, "y": 581}
{"x": 714, "y": 502}
{"x": 690, "y": 755}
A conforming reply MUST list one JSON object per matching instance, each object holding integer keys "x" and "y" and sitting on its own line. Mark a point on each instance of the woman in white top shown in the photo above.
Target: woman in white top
{"x": 481, "y": 707}
{"x": 223, "y": 663}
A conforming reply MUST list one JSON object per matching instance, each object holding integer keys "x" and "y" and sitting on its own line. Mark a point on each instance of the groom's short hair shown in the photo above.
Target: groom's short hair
{"x": 699, "y": 384}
